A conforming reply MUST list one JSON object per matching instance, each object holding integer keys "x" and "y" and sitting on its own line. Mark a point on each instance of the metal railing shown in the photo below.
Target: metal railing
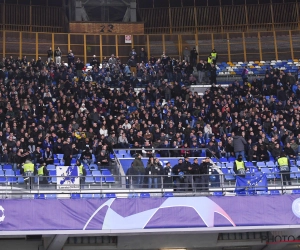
{"x": 122, "y": 186}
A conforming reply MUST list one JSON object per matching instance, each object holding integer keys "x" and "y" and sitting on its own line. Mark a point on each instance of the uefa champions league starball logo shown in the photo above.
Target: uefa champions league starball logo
{"x": 2, "y": 217}
{"x": 296, "y": 207}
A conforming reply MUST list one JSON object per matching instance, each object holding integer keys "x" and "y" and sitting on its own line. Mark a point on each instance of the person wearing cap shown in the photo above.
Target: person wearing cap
{"x": 284, "y": 166}
{"x": 239, "y": 166}
{"x": 177, "y": 169}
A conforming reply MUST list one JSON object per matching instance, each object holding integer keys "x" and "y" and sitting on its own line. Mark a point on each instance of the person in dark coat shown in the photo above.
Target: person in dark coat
{"x": 204, "y": 171}
{"x": 67, "y": 151}
{"x": 178, "y": 171}
{"x": 193, "y": 56}
{"x": 168, "y": 179}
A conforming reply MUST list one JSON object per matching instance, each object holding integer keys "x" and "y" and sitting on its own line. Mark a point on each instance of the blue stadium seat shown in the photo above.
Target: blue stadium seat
{"x": 97, "y": 196}
{"x": 7, "y": 166}
{"x": 60, "y": 156}
{"x": 268, "y": 173}
{"x": 97, "y": 176}
{"x": 260, "y": 164}
{"x": 168, "y": 194}
{"x": 241, "y": 193}
{"x": 87, "y": 196}
{"x": 132, "y": 195}
{"x": 56, "y": 162}
{"x": 89, "y": 179}
{"x": 93, "y": 166}
{"x": 228, "y": 175}
{"x": 108, "y": 177}
{"x": 219, "y": 193}
{"x": 20, "y": 180}
{"x": 145, "y": 195}
{"x": 50, "y": 196}
{"x": 73, "y": 161}
{"x": 39, "y": 196}
{"x": 1, "y": 173}
{"x": 2, "y": 180}
{"x": 274, "y": 192}
{"x": 296, "y": 191}
{"x": 75, "y": 196}
{"x": 229, "y": 164}
{"x": 110, "y": 196}
{"x": 51, "y": 167}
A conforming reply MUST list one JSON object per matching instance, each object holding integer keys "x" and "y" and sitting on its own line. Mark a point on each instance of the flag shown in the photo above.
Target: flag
{"x": 256, "y": 182}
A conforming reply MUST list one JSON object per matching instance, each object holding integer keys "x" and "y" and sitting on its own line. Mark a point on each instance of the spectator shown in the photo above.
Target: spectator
{"x": 238, "y": 144}
{"x": 139, "y": 169}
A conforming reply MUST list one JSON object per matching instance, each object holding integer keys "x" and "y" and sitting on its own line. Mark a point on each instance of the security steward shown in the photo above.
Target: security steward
{"x": 214, "y": 56}
{"x": 81, "y": 171}
{"x": 239, "y": 167}
{"x": 284, "y": 166}
{"x": 43, "y": 173}
{"x": 28, "y": 171}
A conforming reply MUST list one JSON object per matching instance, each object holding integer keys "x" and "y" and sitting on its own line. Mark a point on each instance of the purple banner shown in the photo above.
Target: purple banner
{"x": 138, "y": 213}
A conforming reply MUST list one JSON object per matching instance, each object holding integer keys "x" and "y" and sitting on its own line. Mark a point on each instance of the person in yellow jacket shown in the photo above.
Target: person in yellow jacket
{"x": 214, "y": 56}
{"x": 209, "y": 60}
{"x": 239, "y": 167}
{"x": 43, "y": 173}
{"x": 28, "y": 170}
{"x": 284, "y": 166}
{"x": 81, "y": 171}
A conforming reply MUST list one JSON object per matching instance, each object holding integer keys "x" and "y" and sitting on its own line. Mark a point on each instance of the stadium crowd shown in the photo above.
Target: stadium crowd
{"x": 52, "y": 107}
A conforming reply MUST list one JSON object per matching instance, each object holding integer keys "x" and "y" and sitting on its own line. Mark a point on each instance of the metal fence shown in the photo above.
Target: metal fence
{"x": 231, "y": 46}
{"x": 134, "y": 185}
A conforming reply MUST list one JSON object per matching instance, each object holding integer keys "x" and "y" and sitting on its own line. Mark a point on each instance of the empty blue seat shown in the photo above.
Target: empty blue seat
{"x": 223, "y": 159}
{"x": 89, "y": 179}
{"x": 17, "y": 172}
{"x": 1, "y": 173}
{"x": 260, "y": 164}
{"x": 51, "y": 167}
{"x": 228, "y": 175}
{"x": 73, "y": 161}
{"x": 241, "y": 193}
{"x": 56, "y": 161}
{"x": 20, "y": 180}
{"x": 108, "y": 177}
{"x": 249, "y": 164}
{"x": 9, "y": 172}
{"x": 168, "y": 194}
{"x": 274, "y": 192}
{"x": 296, "y": 191}
{"x": 97, "y": 196}
{"x": 145, "y": 195}
{"x": 110, "y": 195}
{"x": 87, "y": 196}
{"x": 219, "y": 193}
{"x": 39, "y": 196}
{"x": 2, "y": 179}
{"x": 50, "y": 196}
{"x": 97, "y": 176}
{"x": 75, "y": 196}
{"x": 132, "y": 195}
{"x": 7, "y": 166}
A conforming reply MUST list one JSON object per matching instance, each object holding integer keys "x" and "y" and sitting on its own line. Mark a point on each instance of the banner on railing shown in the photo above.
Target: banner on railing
{"x": 66, "y": 177}
{"x": 152, "y": 213}
{"x": 252, "y": 182}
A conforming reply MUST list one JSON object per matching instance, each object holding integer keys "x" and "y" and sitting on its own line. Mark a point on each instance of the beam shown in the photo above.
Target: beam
{"x": 57, "y": 242}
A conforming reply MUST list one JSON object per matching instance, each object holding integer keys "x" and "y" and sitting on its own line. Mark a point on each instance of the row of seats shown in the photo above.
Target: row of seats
{"x": 253, "y": 192}
{"x": 92, "y": 177}
{"x": 97, "y": 196}
{"x": 257, "y": 67}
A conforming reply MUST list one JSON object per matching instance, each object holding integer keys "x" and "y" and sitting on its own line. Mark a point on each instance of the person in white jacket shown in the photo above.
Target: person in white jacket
{"x": 207, "y": 131}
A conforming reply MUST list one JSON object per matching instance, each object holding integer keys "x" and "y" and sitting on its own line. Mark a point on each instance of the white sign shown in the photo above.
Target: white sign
{"x": 127, "y": 38}
{"x": 67, "y": 177}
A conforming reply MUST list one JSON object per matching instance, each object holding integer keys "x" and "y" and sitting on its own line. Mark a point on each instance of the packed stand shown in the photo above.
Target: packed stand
{"x": 84, "y": 111}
